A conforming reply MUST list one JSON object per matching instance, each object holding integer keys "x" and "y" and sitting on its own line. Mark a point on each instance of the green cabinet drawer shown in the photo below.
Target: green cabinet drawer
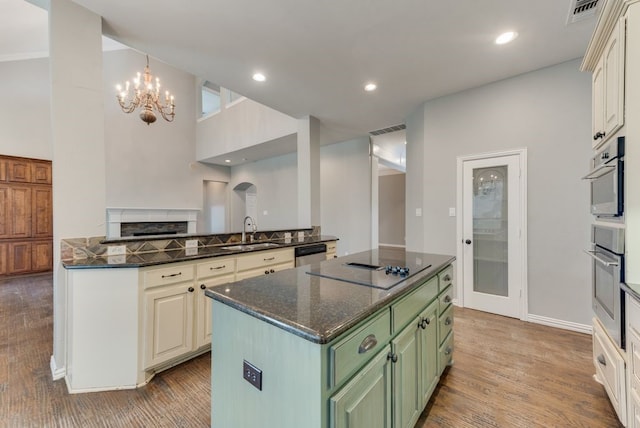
{"x": 348, "y": 355}
{"x": 445, "y": 277}
{"x": 445, "y": 353}
{"x": 445, "y": 298}
{"x": 445, "y": 323}
{"x": 406, "y": 309}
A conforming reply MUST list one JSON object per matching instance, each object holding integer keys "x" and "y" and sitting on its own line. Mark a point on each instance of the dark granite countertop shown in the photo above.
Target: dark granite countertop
{"x": 320, "y": 309}
{"x": 173, "y": 256}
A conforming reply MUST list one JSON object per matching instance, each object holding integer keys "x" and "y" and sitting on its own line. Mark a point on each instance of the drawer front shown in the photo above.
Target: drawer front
{"x": 446, "y": 277}
{"x": 354, "y": 351}
{"x": 263, "y": 271}
{"x": 219, "y": 266}
{"x": 445, "y": 323}
{"x": 445, "y": 353}
{"x": 609, "y": 366}
{"x": 407, "y": 309}
{"x": 264, "y": 258}
{"x": 445, "y": 298}
{"x": 170, "y": 275}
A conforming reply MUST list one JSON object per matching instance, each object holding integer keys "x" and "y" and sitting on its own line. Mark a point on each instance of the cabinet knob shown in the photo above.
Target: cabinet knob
{"x": 272, "y": 271}
{"x": 468, "y": 242}
{"x": 447, "y": 321}
{"x": 266, "y": 272}
{"x": 424, "y": 323}
{"x": 601, "y": 360}
{"x": 393, "y": 357}
{"x": 448, "y": 350}
{"x": 447, "y": 299}
{"x": 202, "y": 286}
{"x": 447, "y": 277}
{"x": 191, "y": 289}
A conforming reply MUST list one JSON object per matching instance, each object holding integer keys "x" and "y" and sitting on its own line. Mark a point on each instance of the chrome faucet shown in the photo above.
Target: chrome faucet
{"x": 244, "y": 228}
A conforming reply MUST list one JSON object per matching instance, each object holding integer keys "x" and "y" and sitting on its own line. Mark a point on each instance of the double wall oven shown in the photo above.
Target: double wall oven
{"x": 607, "y": 238}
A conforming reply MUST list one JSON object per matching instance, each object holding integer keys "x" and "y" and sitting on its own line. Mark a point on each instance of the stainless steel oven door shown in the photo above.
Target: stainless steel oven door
{"x": 606, "y": 292}
{"x": 607, "y": 181}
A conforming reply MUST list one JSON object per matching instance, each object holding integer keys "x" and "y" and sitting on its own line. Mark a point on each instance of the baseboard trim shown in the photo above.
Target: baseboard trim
{"x": 380, "y": 244}
{"x": 565, "y": 325}
{"x": 56, "y": 372}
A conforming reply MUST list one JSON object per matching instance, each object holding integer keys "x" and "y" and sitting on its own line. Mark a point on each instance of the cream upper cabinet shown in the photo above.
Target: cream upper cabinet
{"x": 608, "y": 87}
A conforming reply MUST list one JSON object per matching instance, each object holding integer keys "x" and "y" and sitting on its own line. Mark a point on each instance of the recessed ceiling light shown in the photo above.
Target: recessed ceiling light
{"x": 227, "y": 160}
{"x": 507, "y": 37}
{"x": 259, "y": 77}
{"x": 370, "y": 87}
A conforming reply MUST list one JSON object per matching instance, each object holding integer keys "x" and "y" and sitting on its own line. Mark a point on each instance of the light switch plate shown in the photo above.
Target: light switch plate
{"x": 287, "y": 235}
{"x": 300, "y": 236}
{"x": 191, "y": 243}
{"x": 116, "y": 250}
{"x": 418, "y": 212}
{"x": 452, "y": 212}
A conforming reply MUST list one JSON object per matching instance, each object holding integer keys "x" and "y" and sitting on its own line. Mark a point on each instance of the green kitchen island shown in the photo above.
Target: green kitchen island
{"x": 340, "y": 343}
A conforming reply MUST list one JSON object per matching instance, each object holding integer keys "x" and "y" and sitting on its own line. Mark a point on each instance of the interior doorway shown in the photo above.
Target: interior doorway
{"x": 492, "y": 233}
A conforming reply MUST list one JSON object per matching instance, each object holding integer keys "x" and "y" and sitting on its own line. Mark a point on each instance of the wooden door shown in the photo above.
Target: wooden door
{"x": 4, "y": 258}
{"x": 41, "y": 172}
{"x": 5, "y": 211}
{"x": 19, "y": 170}
{"x": 20, "y": 215}
{"x": 42, "y": 212}
{"x": 19, "y": 257}
{"x": 366, "y": 400}
{"x": 42, "y": 256}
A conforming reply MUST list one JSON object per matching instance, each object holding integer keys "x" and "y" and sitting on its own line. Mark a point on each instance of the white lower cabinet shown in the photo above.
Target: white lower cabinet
{"x": 610, "y": 370}
{"x": 209, "y": 274}
{"x": 168, "y": 322}
{"x": 633, "y": 360}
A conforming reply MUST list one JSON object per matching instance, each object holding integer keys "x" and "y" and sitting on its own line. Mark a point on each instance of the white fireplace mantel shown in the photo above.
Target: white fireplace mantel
{"x": 117, "y": 216}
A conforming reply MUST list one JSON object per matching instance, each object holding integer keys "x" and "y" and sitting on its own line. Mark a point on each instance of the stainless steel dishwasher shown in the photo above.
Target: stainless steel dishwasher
{"x": 310, "y": 254}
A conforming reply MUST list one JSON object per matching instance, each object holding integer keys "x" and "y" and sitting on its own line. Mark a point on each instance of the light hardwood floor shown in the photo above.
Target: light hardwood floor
{"x": 506, "y": 374}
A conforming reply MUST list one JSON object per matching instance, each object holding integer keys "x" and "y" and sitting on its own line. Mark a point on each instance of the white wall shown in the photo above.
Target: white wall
{"x": 25, "y": 113}
{"x": 345, "y": 194}
{"x": 549, "y": 112}
{"x": 276, "y": 186}
{"x": 153, "y": 166}
{"x": 240, "y": 125}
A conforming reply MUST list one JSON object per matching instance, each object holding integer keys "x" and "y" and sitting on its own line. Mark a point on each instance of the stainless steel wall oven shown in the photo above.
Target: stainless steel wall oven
{"x": 607, "y": 180}
{"x": 607, "y": 251}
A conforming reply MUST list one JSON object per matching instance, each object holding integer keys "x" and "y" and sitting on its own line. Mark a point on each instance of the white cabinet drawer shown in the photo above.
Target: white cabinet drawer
{"x": 215, "y": 267}
{"x": 610, "y": 370}
{"x": 263, "y": 270}
{"x": 169, "y": 275}
{"x": 264, "y": 258}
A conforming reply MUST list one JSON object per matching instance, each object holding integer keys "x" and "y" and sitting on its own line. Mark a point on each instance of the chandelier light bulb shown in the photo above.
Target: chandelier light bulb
{"x": 148, "y": 98}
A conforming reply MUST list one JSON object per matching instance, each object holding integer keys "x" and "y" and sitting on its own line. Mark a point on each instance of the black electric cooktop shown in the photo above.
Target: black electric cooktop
{"x": 376, "y": 270}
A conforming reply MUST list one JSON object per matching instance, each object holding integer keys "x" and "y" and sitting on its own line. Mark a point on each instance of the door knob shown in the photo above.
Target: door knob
{"x": 468, "y": 242}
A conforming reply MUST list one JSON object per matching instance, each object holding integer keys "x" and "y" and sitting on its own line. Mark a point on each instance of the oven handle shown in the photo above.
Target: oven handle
{"x": 600, "y": 259}
{"x": 599, "y": 172}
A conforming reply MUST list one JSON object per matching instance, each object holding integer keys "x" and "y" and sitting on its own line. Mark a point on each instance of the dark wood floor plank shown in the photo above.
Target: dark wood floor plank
{"x": 506, "y": 374}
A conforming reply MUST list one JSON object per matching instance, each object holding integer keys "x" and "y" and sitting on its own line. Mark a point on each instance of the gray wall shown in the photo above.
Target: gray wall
{"x": 25, "y": 114}
{"x": 548, "y": 112}
{"x": 276, "y": 186}
{"x": 391, "y": 209}
{"x": 345, "y": 194}
{"x": 153, "y": 166}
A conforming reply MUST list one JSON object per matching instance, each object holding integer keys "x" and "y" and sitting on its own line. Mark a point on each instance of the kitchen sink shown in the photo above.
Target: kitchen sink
{"x": 250, "y": 247}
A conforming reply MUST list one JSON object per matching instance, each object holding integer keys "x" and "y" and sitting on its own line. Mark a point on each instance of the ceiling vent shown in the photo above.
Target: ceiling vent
{"x": 582, "y": 9}
{"x": 389, "y": 129}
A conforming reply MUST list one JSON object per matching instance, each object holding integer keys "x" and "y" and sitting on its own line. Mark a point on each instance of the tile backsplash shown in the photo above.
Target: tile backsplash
{"x": 84, "y": 248}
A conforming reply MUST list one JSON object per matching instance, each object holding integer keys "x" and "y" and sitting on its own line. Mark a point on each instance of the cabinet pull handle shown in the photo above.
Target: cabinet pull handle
{"x": 599, "y": 135}
{"x": 447, "y": 321}
{"x": 269, "y": 259}
{"x": 601, "y": 360}
{"x": 448, "y": 351}
{"x": 190, "y": 289}
{"x": 202, "y": 286}
{"x": 447, "y": 299}
{"x": 218, "y": 267}
{"x": 424, "y": 323}
{"x": 447, "y": 278}
{"x": 172, "y": 275}
{"x": 367, "y": 344}
{"x": 393, "y": 357}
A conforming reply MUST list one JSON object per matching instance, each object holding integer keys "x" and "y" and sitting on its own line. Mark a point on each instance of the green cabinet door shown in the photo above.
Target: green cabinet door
{"x": 406, "y": 375}
{"x": 365, "y": 401}
{"x": 429, "y": 374}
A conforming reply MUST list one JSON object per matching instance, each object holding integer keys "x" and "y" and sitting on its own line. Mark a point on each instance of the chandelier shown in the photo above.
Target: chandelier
{"x": 146, "y": 95}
